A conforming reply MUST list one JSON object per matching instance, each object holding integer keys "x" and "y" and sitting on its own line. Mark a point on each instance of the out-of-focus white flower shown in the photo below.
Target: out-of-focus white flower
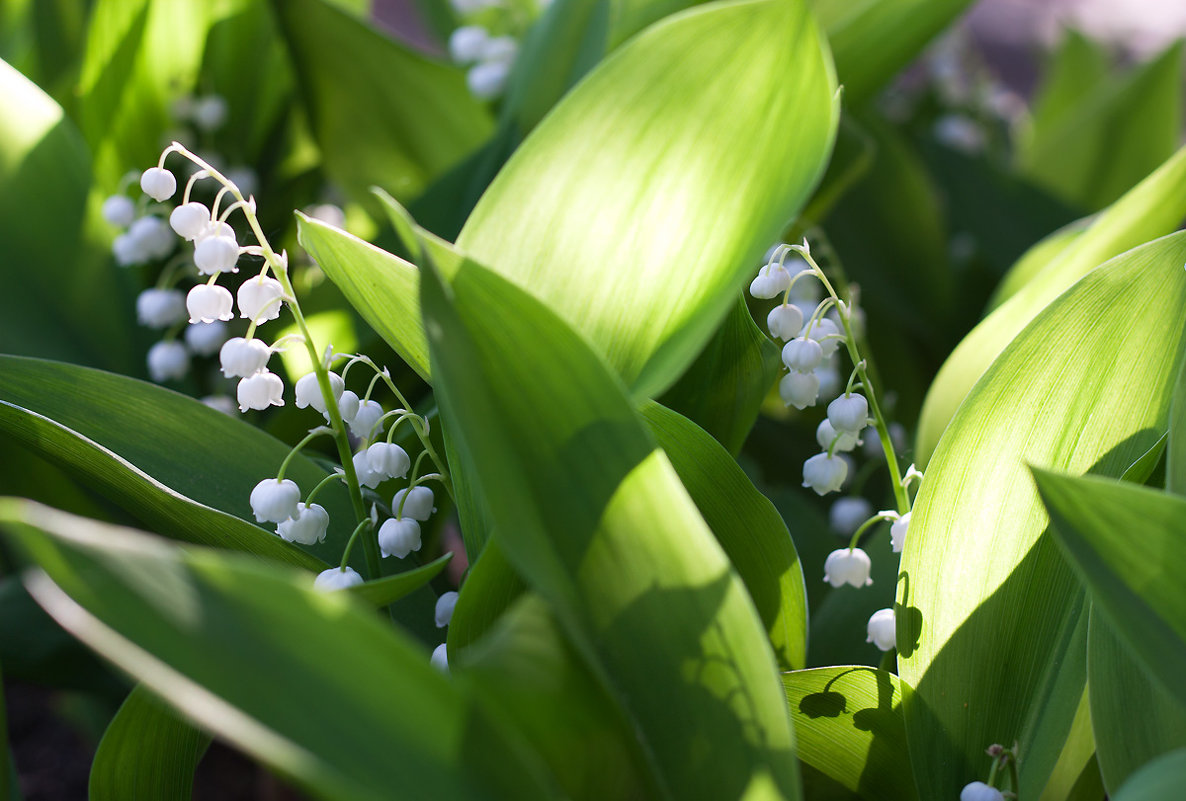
{"x": 467, "y": 43}
{"x": 221, "y": 403}
{"x": 160, "y": 308}
{"x": 847, "y": 515}
{"x": 208, "y": 112}
{"x": 440, "y": 658}
{"x": 119, "y": 210}
{"x": 444, "y": 609}
{"x": 205, "y": 339}
{"x": 168, "y": 360}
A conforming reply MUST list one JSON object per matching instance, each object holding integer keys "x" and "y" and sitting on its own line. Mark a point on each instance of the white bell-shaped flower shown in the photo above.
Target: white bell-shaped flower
{"x": 214, "y": 228}
{"x": 825, "y": 435}
{"x": 205, "y": 339}
{"x": 784, "y": 321}
{"x": 827, "y": 335}
{"x": 799, "y": 389}
{"x": 366, "y": 418}
{"x": 207, "y": 303}
{"x": 847, "y": 515}
{"x": 418, "y": 506}
{"x": 260, "y": 298}
{"x": 388, "y": 460}
{"x": 308, "y": 391}
{"x": 189, "y": 220}
{"x": 846, "y": 566}
{"x": 259, "y": 391}
{"x": 158, "y": 184}
{"x": 849, "y": 413}
{"x": 882, "y": 630}
{"x": 467, "y": 43}
{"x": 160, "y": 308}
{"x": 772, "y": 280}
{"x": 348, "y": 405}
{"x": 802, "y": 354}
{"x": 153, "y": 237}
{"x": 362, "y": 468}
{"x": 824, "y": 473}
{"x": 898, "y": 530}
{"x": 168, "y": 360}
{"x": 275, "y": 500}
{"x": 216, "y": 254}
{"x": 208, "y": 112}
{"x": 487, "y": 79}
{"x": 307, "y": 526}
{"x": 440, "y": 658}
{"x": 119, "y": 210}
{"x": 399, "y": 538}
{"x": 127, "y": 251}
{"x": 444, "y": 609}
{"x": 337, "y": 578}
{"x": 979, "y": 791}
{"x": 243, "y": 357}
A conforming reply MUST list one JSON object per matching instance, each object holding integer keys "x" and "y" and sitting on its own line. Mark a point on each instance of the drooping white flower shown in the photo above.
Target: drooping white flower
{"x": 243, "y": 357}
{"x": 771, "y": 281}
{"x": 825, "y": 435}
{"x": 847, "y": 515}
{"x": 849, "y": 412}
{"x": 846, "y": 566}
{"x": 153, "y": 237}
{"x": 824, "y": 473}
{"x": 979, "y": 791}
{"x": 216, "y": 254}
{"x": 337, "y": 578}
{"x": 388, "y": 460}
{"x": 168, "y": 360}
{"x": 467, "y": 43}
{"x": 205, "y": 339}
{"x": 307, "y": 526}
{"x": 220, "y": 403}
{"x": 362, "y": 468}
{"x": 802, "y": 354}
{"x": 784, "y": 321}
{"x": 348, "y": 405}
{"x": 399, "y": 537}
{"x": 214, "y": 228}
{"x": 260, "y": 298}
{"x": 275, "y": 500}
{"x": 418, "y": 506}
{"x": 799, "y": 389}
{"x": 157, "y": 183}
{"x": 366, "y": 418}
{"x": 189, "y": 220}
{"x": 898, "y": 531}
{"x": 440, "y": 658}
{"x": 826, "y": 334}
{"x": 160, "y": 308}
{"x": 444, "y": 609}
{"x": 119, "y": 210}
{"x": 208, "y": 112}
{"x": 487, "y": 79}
{"x": 207, "y": 303}
{"x": 308, "y": 391}
{"x": 259, "y": 391}
{"x": 882, "y": 630}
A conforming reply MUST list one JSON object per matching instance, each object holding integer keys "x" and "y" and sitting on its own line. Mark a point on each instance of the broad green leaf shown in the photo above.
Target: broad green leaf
{"x": 1075, "y": 776}
{"x": 302, "y": 680}
{"x": 1092, "y": 153}
{"x": 851, "y": 739}
{"x": 593, "y": 516}
{"x": 745, "y": 523}
{"x": 401, "y": 120}
{"x": 1152, "y": 208}
{"x": 1160, "y": 779}
{"x": 1175, "y": 460}
{"x": 491, "y": 587}
{"x": 7, "y": 779}
{"x": 993, "y": 639}
{"x": 1036, "y": 259}
{"x": 146, "y": 752}
{"x": 647, "y": 269}
{"x": 390, "y": 589}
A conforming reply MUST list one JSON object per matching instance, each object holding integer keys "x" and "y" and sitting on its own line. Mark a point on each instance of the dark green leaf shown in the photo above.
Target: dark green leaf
{"x": 1160, "y": 779}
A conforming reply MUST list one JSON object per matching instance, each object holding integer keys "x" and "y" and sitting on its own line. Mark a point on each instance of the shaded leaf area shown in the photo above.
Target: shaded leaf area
{"x": 994, "y": 636}
{"x": 44, "y": 41}
{"x": 210, "y": 632}
{"x": 1161, "y": 778}
{"x": 850, "y": 733}
{"x": 572, "y": 478}
{"x": 1076, "y": 774}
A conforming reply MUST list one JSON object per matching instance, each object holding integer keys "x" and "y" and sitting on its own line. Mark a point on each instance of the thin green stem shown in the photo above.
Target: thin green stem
{"x": 362, "y": 526}
{"x": 872, "y": 521}
{"x": 313, "y": 492}
{"x": 312, "y": 435}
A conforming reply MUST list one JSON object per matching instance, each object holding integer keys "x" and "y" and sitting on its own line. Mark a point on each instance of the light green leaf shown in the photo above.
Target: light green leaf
{"x": 1175, "y": 458}
{"x": 994, "y": 614}
{"x": 300, "y": 679}
{"x": 1036, "y": 259}
{"x": 647, "y": 269}
{"x": 1152, "y": 208}
{"x": 1075, "y": 71}
{"x": 851, "y": 739}
{"x": 1160, "y": 779}
{"x": 594, "y": 518}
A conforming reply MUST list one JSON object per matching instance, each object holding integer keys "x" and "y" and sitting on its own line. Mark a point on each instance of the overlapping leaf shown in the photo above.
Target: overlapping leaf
{"x": 1159, "y": 779}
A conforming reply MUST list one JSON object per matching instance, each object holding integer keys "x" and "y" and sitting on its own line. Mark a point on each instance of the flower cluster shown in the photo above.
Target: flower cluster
{"x": 487, "y": 44}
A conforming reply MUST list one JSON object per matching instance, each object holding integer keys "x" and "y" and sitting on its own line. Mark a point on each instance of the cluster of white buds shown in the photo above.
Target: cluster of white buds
{"x": 848, "y": 416}
{"x": 487, "y": 44}
{"x": 207, "y": 113}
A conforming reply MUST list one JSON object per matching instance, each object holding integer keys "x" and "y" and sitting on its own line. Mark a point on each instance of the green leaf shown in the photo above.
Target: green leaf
{"x": 1152, "y": 208}
{"x": 1175, "y": 458}
{"x": 146, "y": 752}
{"x": 993, "y": 636}
{"x": 7, "y": 777}
{"x": 647, "y": 269}
{"x": 1076, "y": 774}
{"x": 401, "y": 120}
{"x": 1162, "y": 778}
{"x": 302, "y": 680}
{"x": 390, "y": 589}
{"x": 594, "y": 518}
{"x": 1036, "y": 259}
{"x": 1075, "y": 71}
{"x": 851, "y": 738}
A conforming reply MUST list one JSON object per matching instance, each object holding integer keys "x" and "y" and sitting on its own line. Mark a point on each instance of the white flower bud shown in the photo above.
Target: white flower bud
{"x": 168, "y": 360}
{"x": 898, "y": 532}
{"x": 848, "y": 567}
{"x": 500, "y": 48}
{"x": 802, "y": 354}
{"x": 153, "y": 237}
{"x": 348, "y": 405}
{"x": 119, "y": 210}
{"x": 259, "y": 391}
{"x": 847, "y": 515}
{"x": 849, "y": 413}
{"x": 827, "y": 335}
{"x": 825, "y": 435}
{"x": 882, "y": 630}
{"x": 824, "y": 473}
{"x": 979, "y": 791}
{"x": 243, "y": 357}
{"x": 487, "y": 80}
{"x": 220, "y": 403}
{"x": 189, "y": 220}
{"x": 362, "y": 468}
{"x": 160, "y": 308}
{"x": 337, "y": 578}
{"x": 784, "y": 321}
{"x": 366, "y": 418}
{"x": 308, "y": 391}
{"x": 208, "y": 113}
{"x": 260, "y": 298}
{"x": 216, "y": 254}
{"x": 444, "y": 609}
{"x": 207, "y": 303}
{"x": 307, "y": 526}
{"x": 399, "y": 538}
{"x": 799, "y": 389}
{"x": 418, "y": 506}
{"x": 772, "y": 280}
{"x": 467, "y": 43}
{"x": 440, "y": 658}
{"x": 157, "y": 183}
{"x": 275, "y": 500}
{"x": 214, "y": 228}
{"x": 388, "y": 460}
{"x": 205, "y": 339}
